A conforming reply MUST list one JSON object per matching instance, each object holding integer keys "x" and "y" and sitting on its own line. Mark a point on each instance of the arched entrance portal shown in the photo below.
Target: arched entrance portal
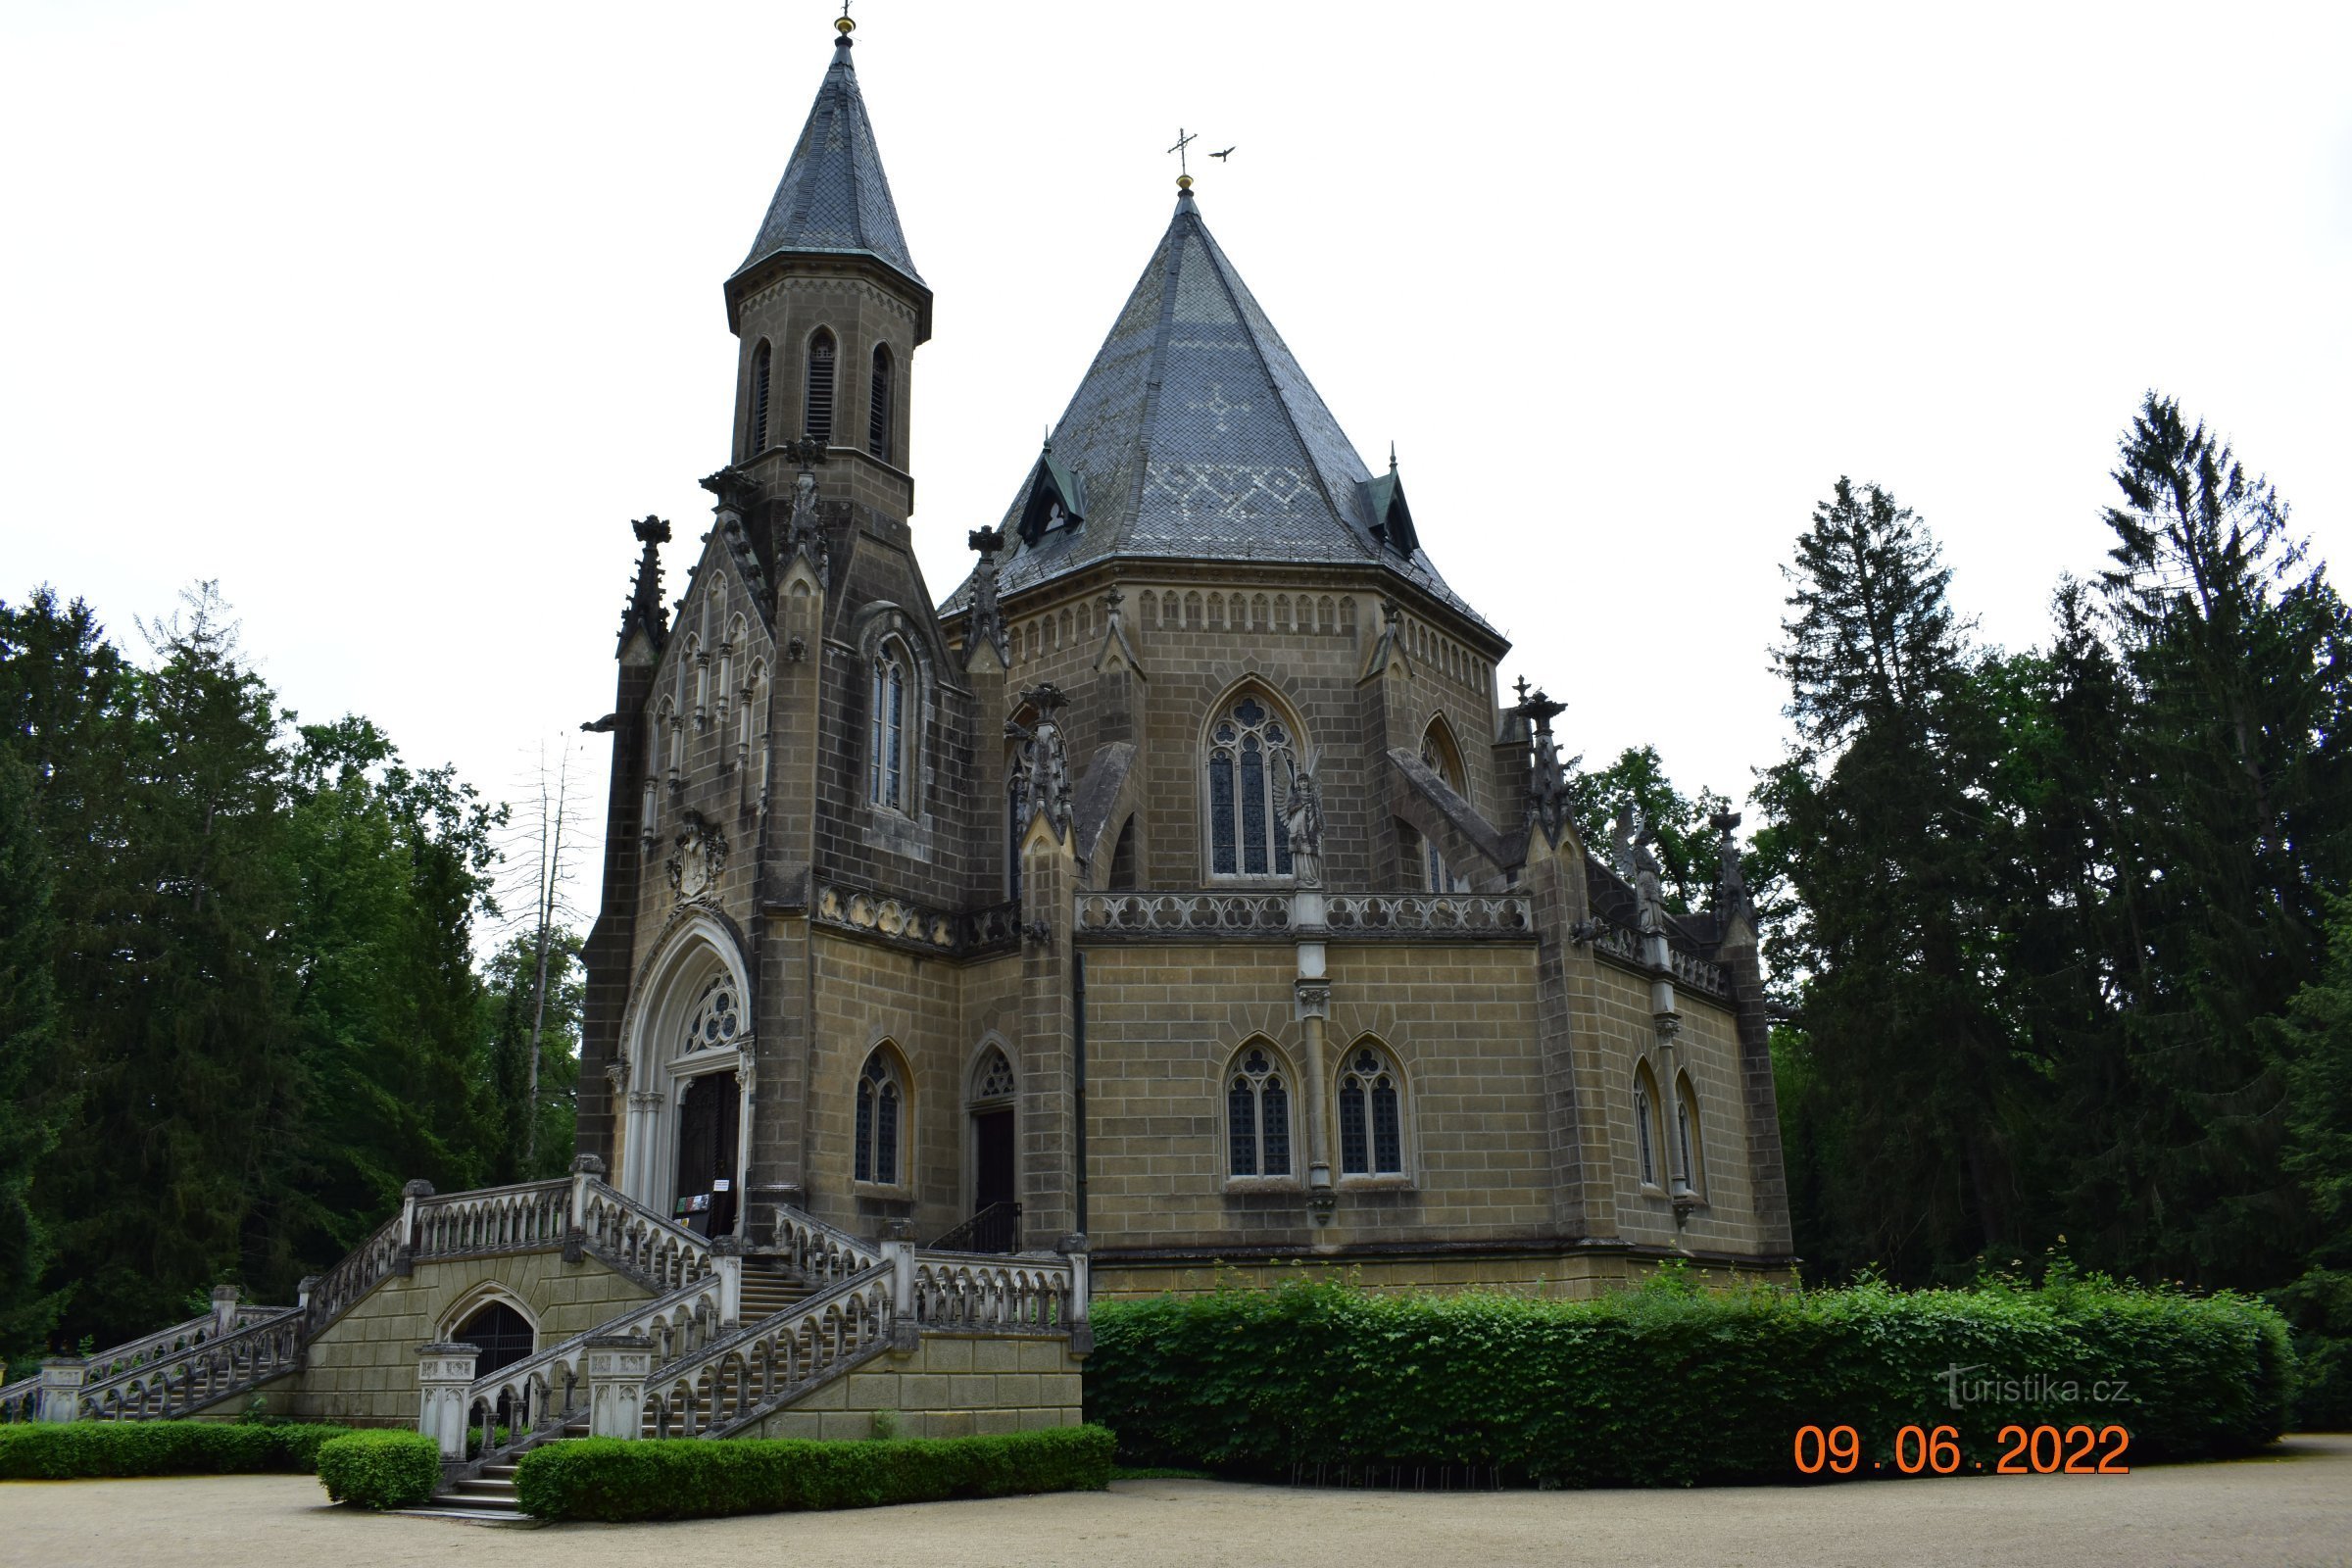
{"x": 994, "y": 1225}
{"x": 709, "y": 1117}
{"x": 502, "y": 1334}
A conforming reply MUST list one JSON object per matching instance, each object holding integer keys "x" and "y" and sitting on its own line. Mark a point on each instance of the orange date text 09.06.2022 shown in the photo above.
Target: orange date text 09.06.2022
{"x": 2041, "y": 1450}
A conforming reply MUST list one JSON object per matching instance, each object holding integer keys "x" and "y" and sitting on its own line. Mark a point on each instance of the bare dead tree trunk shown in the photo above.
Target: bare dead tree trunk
{"x": 550, "y": 865}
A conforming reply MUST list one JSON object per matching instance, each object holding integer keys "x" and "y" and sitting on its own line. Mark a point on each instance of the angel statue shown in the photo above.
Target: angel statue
{"x": 1303, "y": 820}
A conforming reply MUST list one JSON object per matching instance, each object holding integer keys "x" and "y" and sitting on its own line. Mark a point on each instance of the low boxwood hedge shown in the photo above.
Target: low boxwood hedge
{"x": 381, "y": 1469}
{"x": 688, "y": 1478}
{"x": 1672, "y": 1385}
{"x": 71, "y": 1449}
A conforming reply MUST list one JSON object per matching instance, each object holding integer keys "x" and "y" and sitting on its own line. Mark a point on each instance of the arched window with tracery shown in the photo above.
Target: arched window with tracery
{"x": 1257, "y": 1113}
{"x": 881, "y": 1119}
{"x": 818, "y": 405}
{"x": 716, "y": 1021}
{"x": 760, "y": 387}
{"x": 878, "y": 404}
{"x": 1439, "y": 755}
{"x": 1645, "y": 1118}
{"x": 887, "y": 765}
{"x": 1371, "y": 1114}
{"x": 1686, "y": 1164}
{"x": 1251, "y": 756}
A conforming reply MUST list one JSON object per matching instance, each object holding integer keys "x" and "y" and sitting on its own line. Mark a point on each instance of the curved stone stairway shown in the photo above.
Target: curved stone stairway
{"x": 487, "y": 1496}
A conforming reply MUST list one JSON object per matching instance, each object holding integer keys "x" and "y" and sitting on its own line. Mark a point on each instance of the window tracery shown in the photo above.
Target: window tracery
{"x": 716, "y": 1022}
{"x": 1371, "y": 1116}
{"x": 881, "y": 1106}
{"x": 1251, "y": 759}
{"x": 1258, "y": 1115}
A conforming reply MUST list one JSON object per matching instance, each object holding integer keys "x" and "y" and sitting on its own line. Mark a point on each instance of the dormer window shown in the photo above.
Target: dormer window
{"x": 820, "y": 405}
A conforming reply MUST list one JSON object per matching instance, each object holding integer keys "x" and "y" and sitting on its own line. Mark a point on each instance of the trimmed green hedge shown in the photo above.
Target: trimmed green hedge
{"x": 691, "y": 1478}
{"x": 71, "y": 1449}
{"x": 381, "y": 1469}
{"x": 1670, "y": 1385}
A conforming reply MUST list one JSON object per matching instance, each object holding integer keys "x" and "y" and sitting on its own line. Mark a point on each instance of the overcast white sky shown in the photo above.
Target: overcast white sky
{"x": 390, "y": 318}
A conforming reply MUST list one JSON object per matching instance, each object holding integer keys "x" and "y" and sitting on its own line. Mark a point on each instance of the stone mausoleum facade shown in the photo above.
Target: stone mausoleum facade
{"x": 1178, "y": 899}
{"x": 1181, "y": 881}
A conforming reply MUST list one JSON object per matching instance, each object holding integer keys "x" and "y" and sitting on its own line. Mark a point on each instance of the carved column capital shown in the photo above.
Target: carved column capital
{"x": 1314, "y": 998}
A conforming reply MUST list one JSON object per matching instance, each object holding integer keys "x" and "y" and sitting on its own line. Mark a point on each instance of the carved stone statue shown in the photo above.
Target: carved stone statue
{"x": 1303, "y": 820}
{"x": 1042, "y": 765}
{"x": 1650, "y": 889}
{"x": 988, "y": 619}
{"x": 1731, "y": 886}
{"x": 698, "y": 854}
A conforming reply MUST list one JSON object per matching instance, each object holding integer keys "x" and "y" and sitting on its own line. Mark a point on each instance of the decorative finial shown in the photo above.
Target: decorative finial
{"x": 842, "y": 24}
{"x": 1184, "y": 173}
{"x": 1392, "y": 457}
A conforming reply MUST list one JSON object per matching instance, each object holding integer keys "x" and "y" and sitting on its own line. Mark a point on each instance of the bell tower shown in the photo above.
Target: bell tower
{"x": 828, "y": 310}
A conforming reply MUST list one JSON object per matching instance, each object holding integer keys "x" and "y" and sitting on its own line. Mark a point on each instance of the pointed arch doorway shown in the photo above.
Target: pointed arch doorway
{"x": 709, "y": 1129}
{"x": 995, "y": 1223}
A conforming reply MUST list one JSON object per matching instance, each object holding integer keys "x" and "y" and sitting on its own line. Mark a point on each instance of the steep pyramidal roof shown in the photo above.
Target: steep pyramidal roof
{"x": 1195, "y": 436}
{"x": 834, "y": 196}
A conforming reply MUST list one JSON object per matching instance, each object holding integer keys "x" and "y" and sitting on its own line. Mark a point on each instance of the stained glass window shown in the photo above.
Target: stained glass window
{"x": 1649, "y": 1169}
{"x": 1250, "y": 764}
{"x": 1371, "y": 1117}
{"x": 1258, "y": 1116}
{"x": 886, "y": 773}
{"x": 996, "y": 1076}
{"x": 879, "y": 1098}
{"x": 1682, "y": 1129}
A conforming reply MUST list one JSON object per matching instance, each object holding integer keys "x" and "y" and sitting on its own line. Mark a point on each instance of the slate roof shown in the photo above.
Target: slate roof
{"x": 834, "y": 197}
{"x": 1198, "y": 437}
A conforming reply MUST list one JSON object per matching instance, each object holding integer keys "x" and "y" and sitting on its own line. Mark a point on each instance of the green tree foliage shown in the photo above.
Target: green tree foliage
{"x": 1880, "y": 829}
{"x": 513, "y": 983}
{"x": 2057, "y": 942}
{"x": 235, "y": 963}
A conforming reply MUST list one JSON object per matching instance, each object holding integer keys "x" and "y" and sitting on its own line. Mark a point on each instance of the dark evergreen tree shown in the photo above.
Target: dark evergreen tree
{"x": 1879, "y": 820}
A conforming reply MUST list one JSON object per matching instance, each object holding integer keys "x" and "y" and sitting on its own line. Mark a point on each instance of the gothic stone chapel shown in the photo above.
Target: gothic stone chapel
{"x": 1174, "y": 901}
{"x": 1178, "y": 882}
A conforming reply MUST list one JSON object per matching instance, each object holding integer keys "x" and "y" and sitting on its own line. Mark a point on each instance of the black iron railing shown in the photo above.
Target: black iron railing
{"x": 995, "y": 1229}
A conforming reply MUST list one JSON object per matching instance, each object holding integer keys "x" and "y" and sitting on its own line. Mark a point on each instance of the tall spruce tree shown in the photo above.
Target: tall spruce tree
{"x": 2235, "y": 812}
{"x": 1877, "y": 819}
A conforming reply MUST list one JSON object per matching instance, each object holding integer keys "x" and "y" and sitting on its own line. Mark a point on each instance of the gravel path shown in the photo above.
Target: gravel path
{"x": 2293, "y": 1505}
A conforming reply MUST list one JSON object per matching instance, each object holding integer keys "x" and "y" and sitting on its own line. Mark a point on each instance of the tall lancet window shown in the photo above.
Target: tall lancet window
{"x": 1251, "y": 759}
{"x": 760, "y": 385}
{"x": 818, "y": 424}
{"x": 877, "y": 414}
{"x": 886, "y": 776}
{"x": 1258, "y": 1115}
{"x": 881, "y": 1104}
{"x": 1371, "y": 1117}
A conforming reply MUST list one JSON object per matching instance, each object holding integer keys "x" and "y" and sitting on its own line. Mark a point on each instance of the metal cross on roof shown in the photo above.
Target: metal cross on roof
{"x": 1182, "y": 142}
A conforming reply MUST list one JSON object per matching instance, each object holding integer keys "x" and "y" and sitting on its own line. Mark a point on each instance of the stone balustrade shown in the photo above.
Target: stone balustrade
{"x": 528, "y": 1396}
{"x": 334, "y": 1291}
{"x": 531, "y": 1216}
{"x": 976, "y": 1290}
{"x": 189, "y": 1378}
{"x": 1184, "y": 914}
{"x": 819, "y": 1252}
{"x": 636, "y": 1240}
{"x": 1441, "y": 915}
{"x": 741, "y": 1376}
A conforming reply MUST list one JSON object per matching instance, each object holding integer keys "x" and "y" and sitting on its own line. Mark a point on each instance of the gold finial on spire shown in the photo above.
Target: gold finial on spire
{"x": 842, "y": 24}
{"x": 1184, "y": 174}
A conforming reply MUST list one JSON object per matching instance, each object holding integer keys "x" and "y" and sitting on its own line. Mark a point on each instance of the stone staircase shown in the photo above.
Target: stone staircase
{"x": 484, "y": 1492}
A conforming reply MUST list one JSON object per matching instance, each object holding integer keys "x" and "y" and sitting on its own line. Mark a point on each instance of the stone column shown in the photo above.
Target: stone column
{"x": 224, "y": 1311}
{"x": 1312, "y": 991}
{"x": 898, "y": 1251}
{"x": 618, "y": 1365}
{"x": 62, "y": 1378}
{"x": 411, "y": 1196}
{"x": 726, "y": 1261}
{"x": 444, "y": 1372}
{"x": 1081, "y": 1325}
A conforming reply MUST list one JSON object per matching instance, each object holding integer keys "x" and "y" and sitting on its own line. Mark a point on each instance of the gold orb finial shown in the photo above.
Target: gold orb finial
{"x": 1184, "y": 182}
{"x": 844, "y": 26}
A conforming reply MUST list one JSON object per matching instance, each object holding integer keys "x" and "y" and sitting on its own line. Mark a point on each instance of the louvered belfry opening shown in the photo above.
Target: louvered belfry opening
{"x": 760, "y": 385}
{"x": 877, "y": 417}
{"x": 818, "y": 426}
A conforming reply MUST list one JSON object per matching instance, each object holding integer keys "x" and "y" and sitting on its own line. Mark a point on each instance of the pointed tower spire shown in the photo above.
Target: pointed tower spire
{"x": 834, "y": 199}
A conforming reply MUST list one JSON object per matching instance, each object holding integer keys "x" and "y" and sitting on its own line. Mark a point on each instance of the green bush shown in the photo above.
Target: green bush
{"x": 692, "y": 1477}
{"x": 1670, "y": 1385}
{"x": 71, "y": 1449}
{"x": 381, "y": 1469}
